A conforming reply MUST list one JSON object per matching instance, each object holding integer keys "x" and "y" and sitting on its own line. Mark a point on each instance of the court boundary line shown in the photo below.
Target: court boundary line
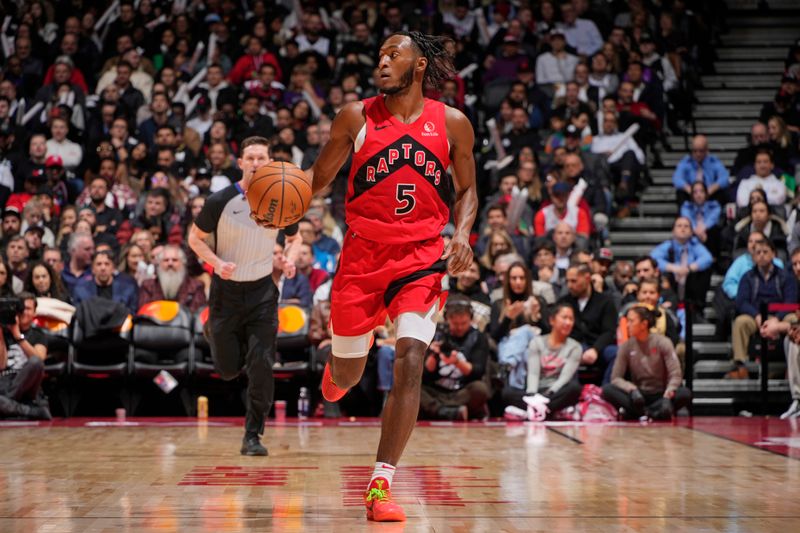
{"x": 570, "y": 437}
{"x": 753, "y": 446}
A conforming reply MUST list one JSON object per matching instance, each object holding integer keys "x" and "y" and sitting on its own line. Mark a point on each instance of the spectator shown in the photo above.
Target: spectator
{"x": 17, "y": 254}
{"x": 762, "y": 179}
{"x": 98, "y": 196}
{"x": 544, "y": 263}
{"x": 704, "y": 217}
{"x": 520, "y": 134}
{"x": 518, "y": 306}
{"x": 246, "y": 67}
{"x": 666, "y": 323}
{"x": 53, "y": 258}
{"x": 496, "y": 220}
{"x": 620, "y": 284}
{"x": 469, "y": 284}
{"x": 295, "y": 290}
{"x": 453, "y": 386}
{"x": 156, "y": 218}
{"x": 23, "y": 350}
{"x": 44, "y": 282}
{"x": 761, "y": 221}
{"x": 595, "y": 315}
{"x": 81, "y": 250}
{"x": 325, "y": 260}
{"x": 564, "y": 238}
{"x": 59, "y": 145}
{"x": 581, "y": 34}
{"x": 305, "y": 265}
{"x": 765, "y": 283}
{"x": 654, "y": 388}
{"x": 700, "y": 166}
{"x": 12, "y": 223}
{"x": 687, "y": 262}
{"x": 561, "y": 210}
{"x": 625, "y": 159}
{"x": 499, "y": 243}
{"x": 506, "y": 66}
{"x": 746, "y": 157}
{"x": 104, "y": 283}
{"x": 557, "y": 66}
{"x": 792, "y": 350}
{"x": 552, "y": 365}
{"x": 172, "y": 282}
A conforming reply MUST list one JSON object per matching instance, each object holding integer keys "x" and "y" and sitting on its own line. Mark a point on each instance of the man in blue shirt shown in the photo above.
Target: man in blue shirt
{"x": 764, "y": 283}
{"x": 701, "y": 166}
{"x": 687, "y": 262}
{"x": 725, "y": 296}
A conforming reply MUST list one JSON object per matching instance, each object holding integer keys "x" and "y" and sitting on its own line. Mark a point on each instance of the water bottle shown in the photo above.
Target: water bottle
{"x": 303, "y": 404}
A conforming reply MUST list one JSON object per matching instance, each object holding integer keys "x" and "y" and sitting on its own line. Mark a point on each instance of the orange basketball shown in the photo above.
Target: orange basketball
{"x": 279, "y": 194}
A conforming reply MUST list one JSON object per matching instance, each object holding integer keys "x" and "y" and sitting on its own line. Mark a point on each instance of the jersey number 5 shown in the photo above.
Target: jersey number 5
{"x": 406, "y": 198}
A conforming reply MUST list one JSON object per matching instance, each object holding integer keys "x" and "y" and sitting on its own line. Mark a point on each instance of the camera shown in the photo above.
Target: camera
{"x": 9, "y": 308}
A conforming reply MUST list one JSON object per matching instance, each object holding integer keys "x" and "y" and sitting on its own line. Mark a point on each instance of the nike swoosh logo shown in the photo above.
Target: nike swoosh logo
{"x": 237, "y": 212}
{"x": 377, "y": 128}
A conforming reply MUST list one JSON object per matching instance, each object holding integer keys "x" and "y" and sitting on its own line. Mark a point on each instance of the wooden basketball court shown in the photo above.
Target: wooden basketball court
{"x": 709, "y": 474}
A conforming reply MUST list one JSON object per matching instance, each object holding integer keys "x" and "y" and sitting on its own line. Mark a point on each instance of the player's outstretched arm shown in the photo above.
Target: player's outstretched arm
{"x": 462, "y": 140}
{"x": 345, "y": 128}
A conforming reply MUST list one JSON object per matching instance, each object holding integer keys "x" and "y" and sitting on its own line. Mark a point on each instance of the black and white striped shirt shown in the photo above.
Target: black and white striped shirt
{"x": 237, "y": 238}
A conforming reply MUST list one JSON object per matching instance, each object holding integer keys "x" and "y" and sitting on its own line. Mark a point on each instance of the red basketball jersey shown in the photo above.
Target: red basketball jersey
{"x": 399, "y": 189}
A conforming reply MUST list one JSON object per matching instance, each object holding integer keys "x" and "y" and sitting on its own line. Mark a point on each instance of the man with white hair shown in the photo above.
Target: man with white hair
{"x": 172, "y": 282}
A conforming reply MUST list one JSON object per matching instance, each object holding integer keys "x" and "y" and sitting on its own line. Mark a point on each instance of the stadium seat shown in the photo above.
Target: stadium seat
{"x": 56, "y": 366}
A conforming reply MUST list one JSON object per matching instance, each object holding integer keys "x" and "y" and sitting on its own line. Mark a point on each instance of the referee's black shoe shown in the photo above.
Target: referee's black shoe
{"x": 251, "y": 445}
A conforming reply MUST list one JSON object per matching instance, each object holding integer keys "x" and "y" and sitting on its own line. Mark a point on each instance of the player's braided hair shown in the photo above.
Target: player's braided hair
{"x": 440, "y": 64}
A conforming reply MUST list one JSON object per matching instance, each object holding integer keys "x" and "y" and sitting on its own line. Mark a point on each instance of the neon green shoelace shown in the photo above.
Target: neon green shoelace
{"x": 377, "y": 494}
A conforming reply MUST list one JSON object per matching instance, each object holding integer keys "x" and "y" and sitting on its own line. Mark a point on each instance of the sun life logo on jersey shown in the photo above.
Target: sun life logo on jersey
{"x": 429, "y": 130}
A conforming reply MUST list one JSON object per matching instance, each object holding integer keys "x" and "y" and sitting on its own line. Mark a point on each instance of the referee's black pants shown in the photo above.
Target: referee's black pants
{"x": 243, "y": 319}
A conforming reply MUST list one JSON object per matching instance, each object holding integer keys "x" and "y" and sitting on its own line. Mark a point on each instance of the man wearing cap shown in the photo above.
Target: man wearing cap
{"x": 35, "y": 181}
{"x": 33, "y": 240}
{"x": 561, "y": 210}
{"x": 581, "y": 34}
{"x": 556, "y": 66}
{"x": 506, "y": 66}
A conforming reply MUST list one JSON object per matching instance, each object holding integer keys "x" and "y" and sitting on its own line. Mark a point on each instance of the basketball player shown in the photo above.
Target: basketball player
{"x": 393, "y": 258}
{"x": 242, "y": 323}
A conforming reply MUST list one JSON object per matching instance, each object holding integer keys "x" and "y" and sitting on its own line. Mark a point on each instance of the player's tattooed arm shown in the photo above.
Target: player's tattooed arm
{"x": 462, "y": 140}
{"x": 345, "y": 128}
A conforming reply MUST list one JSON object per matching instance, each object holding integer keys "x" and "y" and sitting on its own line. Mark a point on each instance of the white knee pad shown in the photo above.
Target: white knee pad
{"x": 350, "y": 347}
{"x": 420, "y": 326}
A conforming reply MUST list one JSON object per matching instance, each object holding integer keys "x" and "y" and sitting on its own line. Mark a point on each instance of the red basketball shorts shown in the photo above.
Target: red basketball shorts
{"x": 376, "y": 279}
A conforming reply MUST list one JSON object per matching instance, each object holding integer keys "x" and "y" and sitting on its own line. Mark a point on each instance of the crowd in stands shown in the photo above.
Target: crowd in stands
{"x": 116, "y": 124}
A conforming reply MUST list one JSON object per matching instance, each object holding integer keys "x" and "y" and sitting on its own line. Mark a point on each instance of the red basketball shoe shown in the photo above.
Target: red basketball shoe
{"x": 331, "y": 391}
{"x": 380, "y": 507}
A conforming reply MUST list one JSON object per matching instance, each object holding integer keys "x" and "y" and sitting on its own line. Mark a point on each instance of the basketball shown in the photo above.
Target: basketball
{"x": 279, "y": 194}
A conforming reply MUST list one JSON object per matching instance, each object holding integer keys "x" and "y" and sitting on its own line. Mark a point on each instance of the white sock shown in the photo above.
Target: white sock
{"x": 383, "y": 470}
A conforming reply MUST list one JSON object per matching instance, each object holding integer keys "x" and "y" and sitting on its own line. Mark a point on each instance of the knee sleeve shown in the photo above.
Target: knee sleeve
{"x": 351, "y": 347}
{"x": 419, "y": 326}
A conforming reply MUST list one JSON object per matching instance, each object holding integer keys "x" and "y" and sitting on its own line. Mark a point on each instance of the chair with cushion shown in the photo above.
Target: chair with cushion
{"x": 56, "y": 366}
{"x": 163, "y": 340}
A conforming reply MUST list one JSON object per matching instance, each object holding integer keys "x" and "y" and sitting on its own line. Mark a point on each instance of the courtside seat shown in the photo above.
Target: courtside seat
{"x": 56, "y": 366}
{"x": 203, "y": 364}
{"x": 162, "y": 339}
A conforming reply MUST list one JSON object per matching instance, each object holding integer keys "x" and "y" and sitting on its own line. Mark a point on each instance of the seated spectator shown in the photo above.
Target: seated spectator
{"x": 544, "y": 263}
{"x": 564, "y": 238}
{"x": 9, "y": 285}
{"x": 704, "y": 216}
{"x": 469, "y": 284}
{"x": 654, "y": 388}
{"x": 581, "y": 34}
{"x": 133, "y": 263}
{"x": 104, "y": 283}
{"x": 12, "y": 223}
{"x": 172, "y": 282}
{"x": 561, "y": 210}
{"x": 518, "y": 307}
{"x": 99, "y": 198}
{"x": 505, "y": 66}
{"x": 792, "y": 350}
{"x": 557, "y": 66}
{"x": 620, "y": 284}
{"x": 725, "y": 296}
{"x": 762, "y": 179}
{"x": 295, "y": 290}
{"x": 44, "y": 282}
{"x": 305, "y": 265}
{"x": 23, "y": 350}
{"x": 646, "y": 267}
{"x": 33, "y": 216}
{"x": 746, "y": 157}
{"x": 17, "y": 254}
{"x": 700, "y": 166}
{"x": 687, "y": 262}
{"x": 765, "y": 283}
{"x": 499, "y": 244}
{"x": 551, "y": 365}
{"x": 324, "y": 259}
{"x": 760, "y": 220}
{"x": 156, "y": 218}
{"x": 625, "y": 159}
{"x": 595, "y": 315}
{"x": 70, "y": 152}
{"x": 54, "y": 259}
{"x": 81, "y": 250}
{"x": 453, "y": 386}
{"x": 496, "y": 219}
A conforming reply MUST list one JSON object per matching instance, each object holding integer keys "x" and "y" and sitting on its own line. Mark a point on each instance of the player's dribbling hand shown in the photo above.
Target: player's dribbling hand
{"x": 226, "y": 269}
{"x": 458, "y": 254}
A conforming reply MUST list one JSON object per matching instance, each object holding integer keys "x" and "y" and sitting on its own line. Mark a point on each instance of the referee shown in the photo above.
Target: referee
{"x": 243, "y": 304}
